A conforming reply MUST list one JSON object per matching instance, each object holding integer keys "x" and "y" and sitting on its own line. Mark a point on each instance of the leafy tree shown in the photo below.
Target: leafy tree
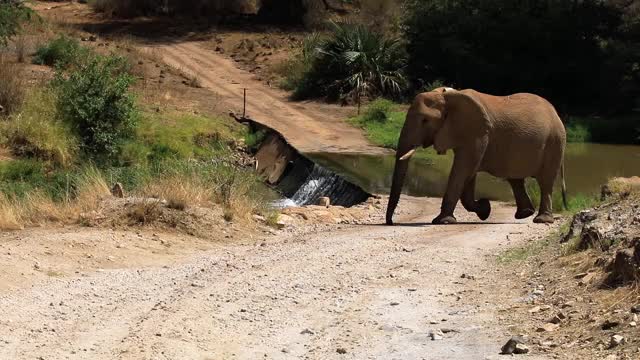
{"x": 583, "y": 55}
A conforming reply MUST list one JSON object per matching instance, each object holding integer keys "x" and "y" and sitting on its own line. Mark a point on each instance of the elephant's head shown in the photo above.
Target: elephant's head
{"x": 445, "y": 118}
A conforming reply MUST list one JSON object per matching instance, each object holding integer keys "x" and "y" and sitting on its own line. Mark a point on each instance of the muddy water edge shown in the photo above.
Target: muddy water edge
{"x": 588, "y": 166}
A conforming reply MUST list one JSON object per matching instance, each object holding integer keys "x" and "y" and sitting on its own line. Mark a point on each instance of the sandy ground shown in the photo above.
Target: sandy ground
{"x": 308, "y": 126}
{"x": 349, "y": 292}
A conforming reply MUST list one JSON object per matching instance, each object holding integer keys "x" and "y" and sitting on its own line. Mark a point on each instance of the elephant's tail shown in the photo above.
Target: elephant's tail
{"x": 564, "y": 188}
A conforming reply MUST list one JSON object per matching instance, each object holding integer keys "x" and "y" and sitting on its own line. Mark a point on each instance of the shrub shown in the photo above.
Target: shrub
{"x": 12, "y": 15}
{"x": 382, "y": 123}
{"x": 12, "y": 86}
{"x": 37, "y": 131}
{"x": 355, "y": 62}
{"x": 294, "y": 69}
{"x": 95, "y": 101}
{"x": 378, "y": 110}
{"x": 61, "y": 52}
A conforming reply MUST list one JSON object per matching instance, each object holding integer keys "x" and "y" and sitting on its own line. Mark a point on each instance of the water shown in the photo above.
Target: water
{"x": 307, "y": 182}
{"x": 587, "y": 167}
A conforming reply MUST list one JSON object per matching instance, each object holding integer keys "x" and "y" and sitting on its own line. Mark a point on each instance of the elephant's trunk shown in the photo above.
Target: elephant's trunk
{"x": 399, "y": 172}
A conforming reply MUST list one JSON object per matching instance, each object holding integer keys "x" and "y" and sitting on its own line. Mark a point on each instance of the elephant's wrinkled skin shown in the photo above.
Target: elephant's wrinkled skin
{"x": 511, "y": 137}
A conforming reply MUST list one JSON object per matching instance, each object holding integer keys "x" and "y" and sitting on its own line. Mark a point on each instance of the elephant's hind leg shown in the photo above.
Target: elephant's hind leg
{"x": 523, "y": 202}
{"x": 481, "y": 207}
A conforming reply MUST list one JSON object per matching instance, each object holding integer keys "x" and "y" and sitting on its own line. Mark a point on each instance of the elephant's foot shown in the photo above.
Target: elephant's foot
{"x": 444, "y": 219}
{"x": 543, "y": 219}
{"x": 483, "y": 207}
{"x": 524, "y": 213}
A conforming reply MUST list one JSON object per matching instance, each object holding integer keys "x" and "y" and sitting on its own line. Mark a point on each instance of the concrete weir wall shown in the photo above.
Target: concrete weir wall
{"x": 297, "y": 178}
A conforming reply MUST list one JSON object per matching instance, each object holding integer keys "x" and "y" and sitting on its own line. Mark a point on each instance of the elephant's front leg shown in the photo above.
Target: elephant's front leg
{"x": 465, "y": 165}
{"x": 481, "y": 207}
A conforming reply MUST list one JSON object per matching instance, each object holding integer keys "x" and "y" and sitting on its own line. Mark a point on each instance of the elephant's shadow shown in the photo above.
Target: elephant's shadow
{"x": 421, "y": 224}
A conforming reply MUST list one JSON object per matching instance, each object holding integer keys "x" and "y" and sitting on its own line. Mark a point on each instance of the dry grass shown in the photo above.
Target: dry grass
{"x": 38, "y": 208}
{"x": 180, "y": 192}
{"x": 12, "y": 86}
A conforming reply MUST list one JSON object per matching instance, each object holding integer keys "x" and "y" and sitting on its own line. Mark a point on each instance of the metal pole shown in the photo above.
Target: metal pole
{"x": 244, "y": 107}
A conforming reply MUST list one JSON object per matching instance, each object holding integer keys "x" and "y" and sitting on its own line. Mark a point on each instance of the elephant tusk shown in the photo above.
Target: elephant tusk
{"x": 408, "y": 154}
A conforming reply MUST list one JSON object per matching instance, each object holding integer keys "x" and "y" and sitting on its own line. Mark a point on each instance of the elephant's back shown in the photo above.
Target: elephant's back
{"x": 524, "y": 126}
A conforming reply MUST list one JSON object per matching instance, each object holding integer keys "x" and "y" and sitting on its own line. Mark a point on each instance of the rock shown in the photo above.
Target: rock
{"x": 626, "y": 266}
{"x": 558, "y": 318}
{"x": 341, "y": 351}
{"x": 284, "y": 221}
{"x": 587, "y": 279}
{"x": 260, "y": 218}
{"x": 633, "y": 324}
{"x": 608, "y": 325}
{"x": 93, "y": 38}
{"x": 117, "y": 190}
{"x": 635, "y": 309}
{"x": 510, "y": 347}
{"x": 436, "y": 335}
{"x": 548, "y": 327}
{"x": 467, "y": 276}
{"x": 324, "y": 201}
{"x": 306, "y": 332}
{"x": 521, "y": 349}
{"x": 616, "y": 340}
{"x": 394, "y": 303}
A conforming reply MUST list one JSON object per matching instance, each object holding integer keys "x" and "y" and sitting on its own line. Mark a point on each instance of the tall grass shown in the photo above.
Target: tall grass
{"x": 575, "y": 202}
{"x": 36, "y": 130}
{"x": 38, "y": 207}
{"x": 12, "y": 86}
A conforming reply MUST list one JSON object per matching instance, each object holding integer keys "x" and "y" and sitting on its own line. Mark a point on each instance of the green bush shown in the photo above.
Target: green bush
{"x": 354, "y": 62}
{"x": 61, "y": 52}
{"x": 378, "y": 111}
{"x": 606, "y": 130}
{"x": 253, "y": 139}
{"x": 382, "y": 123}
{"x": 294, "y": 70}
{"x": 95, "y": 101}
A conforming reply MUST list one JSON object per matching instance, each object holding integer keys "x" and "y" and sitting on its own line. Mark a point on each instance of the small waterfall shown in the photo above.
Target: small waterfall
{"x": 317, "y": 183}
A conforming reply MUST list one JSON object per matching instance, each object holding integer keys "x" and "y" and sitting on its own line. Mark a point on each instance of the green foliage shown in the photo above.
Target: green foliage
{"x": 609, "y": 130}
{"x": 576, "y": 202}
{"x": 382, "y": 123}
{"x": 94, "y": 100}
{"x": 37, "y": 131}
{"x": 253, "y": 139}
{"x": 355, "y": 62}
{"x": 577, "y": 133}
{"x": 20, "y": 177}
{"x": 378, "y": 110}
{"x": 61, "y": 52}
{"x": 12, "y": 15}
{"x": 582, "y": 55}
{"x": 294, "y": 69}
{"x": 176, "y": 136}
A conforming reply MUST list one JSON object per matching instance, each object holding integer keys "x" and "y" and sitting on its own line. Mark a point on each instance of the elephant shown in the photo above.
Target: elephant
{"x": 511, "y": 137}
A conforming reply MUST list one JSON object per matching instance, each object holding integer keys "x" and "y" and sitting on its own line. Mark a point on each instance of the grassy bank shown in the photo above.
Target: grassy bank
{"x": 65, "y": 142}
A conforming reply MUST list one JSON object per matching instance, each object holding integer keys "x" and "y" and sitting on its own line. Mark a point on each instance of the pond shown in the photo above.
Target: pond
{"x": 588, "y": 166}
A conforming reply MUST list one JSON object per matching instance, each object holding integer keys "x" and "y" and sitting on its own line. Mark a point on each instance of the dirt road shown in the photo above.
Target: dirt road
{"x": 308, "y": 126}
{"x": 353, "y": 292}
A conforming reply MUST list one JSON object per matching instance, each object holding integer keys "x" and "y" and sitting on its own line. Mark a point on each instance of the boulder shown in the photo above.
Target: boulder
{"x": 324, "y": 201}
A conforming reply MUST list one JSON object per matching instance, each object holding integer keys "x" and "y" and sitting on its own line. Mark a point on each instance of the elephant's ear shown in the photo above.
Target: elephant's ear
{"x": 466, "y": 118}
